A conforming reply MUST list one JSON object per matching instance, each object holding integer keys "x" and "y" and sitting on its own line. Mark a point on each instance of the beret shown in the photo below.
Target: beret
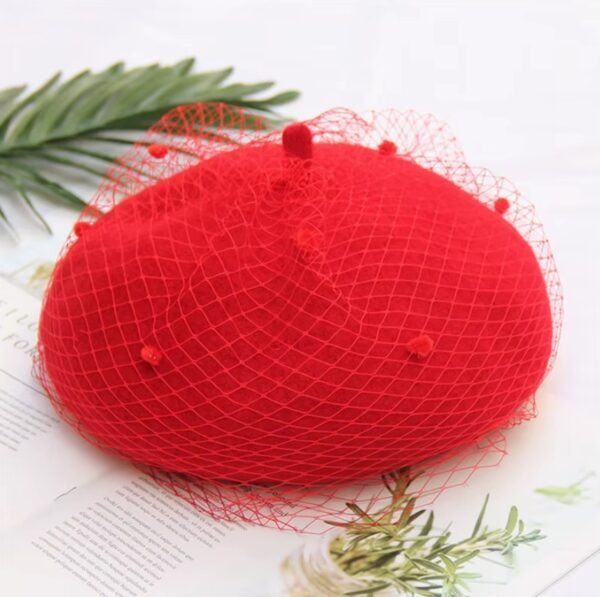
{"x": 312, "y": 306}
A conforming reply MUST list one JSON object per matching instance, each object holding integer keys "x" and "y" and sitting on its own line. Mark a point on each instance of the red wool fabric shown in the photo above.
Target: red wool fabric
{"x": 316, "y": 307}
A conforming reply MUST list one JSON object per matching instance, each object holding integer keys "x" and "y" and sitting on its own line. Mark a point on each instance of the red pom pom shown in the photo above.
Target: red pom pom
{"x": 297, "y": 141}
{"x": 158, "y": 151}
{"x": 81, "y": 228}
{"x": 151, "y": 355}
{"x": 501, "y": 205}
{"x": 420, "y": 346}
{"x": 387, "y": 148}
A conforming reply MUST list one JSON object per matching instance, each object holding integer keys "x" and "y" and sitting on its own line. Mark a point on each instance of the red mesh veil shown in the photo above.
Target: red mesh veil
{"x": 268, "y": 323}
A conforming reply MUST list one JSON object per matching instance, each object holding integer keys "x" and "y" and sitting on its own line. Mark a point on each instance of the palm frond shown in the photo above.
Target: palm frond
{"x": 60, "y": 122}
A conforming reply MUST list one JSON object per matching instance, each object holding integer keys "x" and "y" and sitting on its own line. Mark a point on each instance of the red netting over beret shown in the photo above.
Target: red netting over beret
{"x": 300, "y": 309}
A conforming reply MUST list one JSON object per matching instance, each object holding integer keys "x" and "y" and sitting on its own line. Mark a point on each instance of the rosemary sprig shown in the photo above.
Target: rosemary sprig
{"x": 82, "y": 123}
{"x": 394, "y": 549}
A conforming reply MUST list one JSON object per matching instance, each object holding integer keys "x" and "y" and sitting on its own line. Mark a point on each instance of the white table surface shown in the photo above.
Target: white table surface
{"x": 518, "y": 81}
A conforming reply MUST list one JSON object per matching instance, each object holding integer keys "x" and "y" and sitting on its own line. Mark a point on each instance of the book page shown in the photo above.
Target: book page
{"x": 40, "y": 457}
{"x": 123, "y": 536}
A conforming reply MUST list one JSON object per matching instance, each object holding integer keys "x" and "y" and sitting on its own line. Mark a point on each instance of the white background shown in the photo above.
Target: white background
{"x": 518, "y": 81}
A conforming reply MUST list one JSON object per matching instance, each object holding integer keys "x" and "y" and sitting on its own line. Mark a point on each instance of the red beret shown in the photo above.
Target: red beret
{"x": 322, "y": 305}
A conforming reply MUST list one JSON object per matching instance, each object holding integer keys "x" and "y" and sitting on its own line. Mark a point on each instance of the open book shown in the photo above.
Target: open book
{"x": 75, "y": 521}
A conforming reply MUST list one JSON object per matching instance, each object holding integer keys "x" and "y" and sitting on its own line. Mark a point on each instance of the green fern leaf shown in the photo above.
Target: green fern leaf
{"x": 62, "y": 122}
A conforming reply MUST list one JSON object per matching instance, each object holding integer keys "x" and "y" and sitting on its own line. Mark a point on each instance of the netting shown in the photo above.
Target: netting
{"x": 268, "y": 323}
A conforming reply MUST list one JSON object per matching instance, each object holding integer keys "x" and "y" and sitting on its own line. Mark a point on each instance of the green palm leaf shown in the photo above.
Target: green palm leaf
{"x": 61, "y": 122}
